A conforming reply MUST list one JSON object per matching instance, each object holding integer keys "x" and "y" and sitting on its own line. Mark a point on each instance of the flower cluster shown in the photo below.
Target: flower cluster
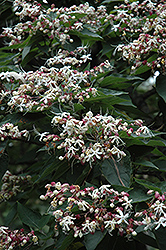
{"x": 41, "y": 89}
{"x": 13, "y": 184}
{"x": 53, "y": 22}
{"x": 90, "y": 209}
{"x": 142, "y": 26}
{"x": 8, "y": 130}
{"x": 155, "y": 215}
{"x": 11, "y": 239}
{"x": 93, "y": 137}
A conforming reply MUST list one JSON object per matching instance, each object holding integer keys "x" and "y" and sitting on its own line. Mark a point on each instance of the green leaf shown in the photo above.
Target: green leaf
{"x": 28, "y": 216}
{"x": 147, "y": 184}
{"x": 86, "y": 34}
{"x": 161, "y": 236}
{"x": 117, "y": 173}
{"x": 57, "y": 166}
{"x": 161, "y": 86}
{"x": 51, "y": 247}
{"x": 138, "y": 194}
{"x": 3, "y": 145}
{"x": 25, "y": 51}
{"x": 44, "y": 220}
{"x": 145, "y": 163}
{"x": 106, "y": 99}
{"x": 91, "y": 241}
{"x": 161, "y": 164}
{"x": 11, "y": 215}
{"x": 146, "y": 239}
{"x": 17, "y": 46}
{"x": 31, "y": 55}
{"x": 4, "y": 162}
{"x": 110, "y": 1}
{"x": 83, "y": 175}
{"x": 67, "y": 242}
{"x": 145, "y": 68}
{"x": 118, "y": 81}
{"x": 112, "y": 92}
{"x": 78, "y": 107}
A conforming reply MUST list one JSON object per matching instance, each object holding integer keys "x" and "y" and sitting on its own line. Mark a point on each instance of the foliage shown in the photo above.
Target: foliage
{"x": 82, "y": 113}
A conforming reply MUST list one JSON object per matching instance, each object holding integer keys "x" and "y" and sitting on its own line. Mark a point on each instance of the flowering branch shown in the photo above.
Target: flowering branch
{"x": 90, "y": 209}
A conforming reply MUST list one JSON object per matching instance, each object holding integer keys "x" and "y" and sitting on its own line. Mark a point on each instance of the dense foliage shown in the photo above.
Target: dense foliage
{"x": 82, "y": 115}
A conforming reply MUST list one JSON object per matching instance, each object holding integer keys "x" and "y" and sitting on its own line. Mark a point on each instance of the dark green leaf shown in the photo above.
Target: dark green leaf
{"x": 25, "y": 51}
{"x": 117, "y": 173}
{"x": 145, "y": 163}
{"x": 91, "y": 241}
{"x": 4, "y": 161}
{"x": 147, "y": 184}
{"x": 138, "y": 194}
{"x": 11, "y": 215}
{"x": 161, "y": 236}
{"x": 144, "y": 68}
{"x": 57, "y": 167}
{"x": 146, "y": 239}
{"x": 161, "y": 86}
{"x": 28, "y": 216}
{"x": 67, "y": 242}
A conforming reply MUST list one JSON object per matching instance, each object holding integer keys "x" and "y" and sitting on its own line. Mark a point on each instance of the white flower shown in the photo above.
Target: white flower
{"x": 118, "y": 152}
{"x": 83, "y": 205}
{"x": 121, "y": 217}
{"x": 147, "y": 221}
{"x": 104, "y": 188}
{"x": 162, "y": 221}
{"x": 95, "y": 194}
{"x": 58, "y": 185}
{"x": 116, "y": 139}
{"x": 78, "y": 25}
{"x": 110, "y": 224}
{"x": 86, "y": 58}
{"x": 89, "y": 226}
{"x": 159, "y": 208}
{"x": 57, "y": 214}
{"x": 71, "y": 151}
{"x": 127, "y": 202}
{"x": 66, "y": 222}
{"x": 2, "y": 230}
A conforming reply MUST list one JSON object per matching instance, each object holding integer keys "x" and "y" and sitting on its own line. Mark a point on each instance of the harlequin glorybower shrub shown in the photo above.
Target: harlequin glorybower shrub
{"x": 82, "y": 115}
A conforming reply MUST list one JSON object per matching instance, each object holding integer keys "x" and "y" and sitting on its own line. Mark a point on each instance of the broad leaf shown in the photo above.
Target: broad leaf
{"x": 145, "y": 163}
{"x": 28, "y": 216}
{"x": 117, "y": 173}
{"x": 91, "y": 241}
{"x": 161, "y": 236}
{"x": 161, "y": 86}
{"x": 146, "y": 239}
{"x": 147, "y": 184}
{"x": 67, "y": 241}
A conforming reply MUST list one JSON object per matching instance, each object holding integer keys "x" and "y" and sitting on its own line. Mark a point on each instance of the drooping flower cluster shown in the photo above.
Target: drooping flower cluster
{"x": 13, "y": 184}
{"x": 9, "y": 130}
{"x": 90, "y": 209}
{"x": 93, "y": 137}
{"x": 11, "y": 239}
